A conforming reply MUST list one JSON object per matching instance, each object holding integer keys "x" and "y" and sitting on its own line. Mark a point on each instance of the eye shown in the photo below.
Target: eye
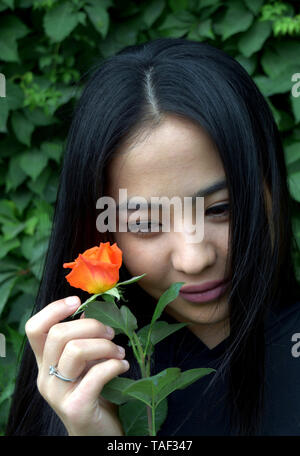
{"x": 219, "y": 211}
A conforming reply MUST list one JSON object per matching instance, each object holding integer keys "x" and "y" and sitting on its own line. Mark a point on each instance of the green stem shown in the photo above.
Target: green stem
{"x": 148, "y": 340}
{"x": 145, "y": 369}
{"x": 153, "y": 420}
{"x": 149, "y": 415}
{"x": 140, "y": 358}
{"x": 136, "y": 354}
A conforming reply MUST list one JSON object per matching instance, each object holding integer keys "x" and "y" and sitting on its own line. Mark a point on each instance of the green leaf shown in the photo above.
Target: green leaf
{"x": 4, "y": 111}
{"x": 185, "y": 379}
{"x": 15, "y": 175}
{"x": 292, "y": 154}
{"x": 53, "y": 150}
{"x": 6, "y": 275}
{"x": 294, "y": 185}
{"x": 151, "y": 11}
{"x": 21, "y": 199}
{"x": 253, "y": 39}
{"x": 295, "y": 103}
{"x": 177, "y": 24}
{"x": 33, "y": 163}
{"x": 113, "y": 390}
{"x": 9, "y": 3}
{"x": 134, "y": 418}
{"x": 109, "y": 314}
{"x": 168, "y": 296}
{"x": 38, "y": 186}
{"x": 279, "y": 83}
{"x": 132, "y": 280}
{"x": 148, "y": 389}
{"x": 129, "y": 320}
{"x": 22, "y": 127}
{"x": 7, "y": 245}
{"x": 14, "y": 95}
{"x": 237, "y": 18}
{"x": 113, "y": 292}
{"x": 159, "y": 331}
{"x": 190, "y": 376}
{"x": 98, "y": 16}
{"x": 11, "y": 29}
{"x": 248, "y": 63}
{"x": 254, "y": 5}
{"x": 60, "y": 20}
{"x": 204, "y": 29}
{"x": 178, "y": 5}
{"x": 12, "y": 229}
{"x": 280, "y": 56}
{"x": 38, "y": 117}
{"x": 5, "y": 289}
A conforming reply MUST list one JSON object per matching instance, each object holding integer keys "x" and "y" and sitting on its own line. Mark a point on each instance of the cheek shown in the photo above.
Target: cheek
{"x": 141, "y": 257}
{"x": 219, "y": 236}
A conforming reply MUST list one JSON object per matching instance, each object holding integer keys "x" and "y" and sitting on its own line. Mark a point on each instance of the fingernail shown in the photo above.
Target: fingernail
{"x": 110, "y": 332}
{"x": 121, "y": 350}
{"x": 72, "y": 301}
{"x": 126, "y": 363}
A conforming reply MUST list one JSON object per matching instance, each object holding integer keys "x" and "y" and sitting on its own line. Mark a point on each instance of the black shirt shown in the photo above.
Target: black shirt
{"x": 191, "y": 412}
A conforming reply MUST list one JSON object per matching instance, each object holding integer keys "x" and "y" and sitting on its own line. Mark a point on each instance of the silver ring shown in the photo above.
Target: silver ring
{"x": 54, "y": 371}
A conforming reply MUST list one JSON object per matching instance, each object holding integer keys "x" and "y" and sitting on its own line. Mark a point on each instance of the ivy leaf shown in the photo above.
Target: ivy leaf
{"x": 237, "y": 18}
{"x": 5, "y": 289}
{"x": 11, "y": 29}
{"x": 295, "y": 103}
{"x": 4, "y": 111}
{"x": 14, "y": 95}
{"x": 60, "y": 20}
{"x": 52, "y": 149}
{"x": 33, "y": 163}
{"x": 253, "y": 39}
{"x": 7, "y": 245}
{"x": 151, "y": 11}
{"x": 280, "y": 56}
{"x": 98, "y": 16}
{"x": 22, "y": 127}
{"x": 15, "y": 175}
{"x": 292, "y": 154}
{"x": 294, "y": 185}
{"x": 254, "y": 5}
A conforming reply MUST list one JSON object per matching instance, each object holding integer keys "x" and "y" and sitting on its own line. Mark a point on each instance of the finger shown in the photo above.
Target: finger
{"x": 62, "y": 333}
{"x": 38, "y": 326}
{"x": 91, "y": 385}
{"x": 77, "y": 353}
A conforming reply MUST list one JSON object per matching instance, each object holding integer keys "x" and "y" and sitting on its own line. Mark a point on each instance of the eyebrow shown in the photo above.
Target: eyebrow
{"x": 213, "y": 188}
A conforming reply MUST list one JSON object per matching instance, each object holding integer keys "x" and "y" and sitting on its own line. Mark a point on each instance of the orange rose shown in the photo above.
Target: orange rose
{"x": 97, "y": 269}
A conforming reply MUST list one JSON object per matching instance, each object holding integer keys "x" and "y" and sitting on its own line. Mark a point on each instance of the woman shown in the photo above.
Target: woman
{"x": 172, "y": 117}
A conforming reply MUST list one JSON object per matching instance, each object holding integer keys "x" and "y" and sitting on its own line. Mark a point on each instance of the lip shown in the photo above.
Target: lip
{"x": 200, "y": 288}
{"x": 204, "y": 293}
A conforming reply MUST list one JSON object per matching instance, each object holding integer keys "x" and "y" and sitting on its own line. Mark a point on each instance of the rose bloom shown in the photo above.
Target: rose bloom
{"x": 97, "y": 269}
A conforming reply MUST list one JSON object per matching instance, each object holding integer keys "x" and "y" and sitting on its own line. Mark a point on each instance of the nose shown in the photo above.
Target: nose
{"x": 191, "y": 258}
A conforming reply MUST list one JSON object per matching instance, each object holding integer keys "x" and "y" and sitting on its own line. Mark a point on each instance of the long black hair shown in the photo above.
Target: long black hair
{"x": 131, "y": 91}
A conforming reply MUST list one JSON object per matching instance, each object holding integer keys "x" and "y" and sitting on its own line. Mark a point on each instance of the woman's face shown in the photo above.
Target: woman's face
{"x": 175, "y": 159}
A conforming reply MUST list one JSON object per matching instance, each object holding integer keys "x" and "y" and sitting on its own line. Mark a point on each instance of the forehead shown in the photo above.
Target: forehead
{"x": 175, "y": 153}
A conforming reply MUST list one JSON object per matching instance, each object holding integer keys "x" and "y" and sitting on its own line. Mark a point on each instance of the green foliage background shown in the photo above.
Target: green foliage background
{"x": 46, "y": 46}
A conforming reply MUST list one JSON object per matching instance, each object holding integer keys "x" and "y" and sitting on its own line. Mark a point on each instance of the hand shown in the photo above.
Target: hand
{"x": 80, "y": 348}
